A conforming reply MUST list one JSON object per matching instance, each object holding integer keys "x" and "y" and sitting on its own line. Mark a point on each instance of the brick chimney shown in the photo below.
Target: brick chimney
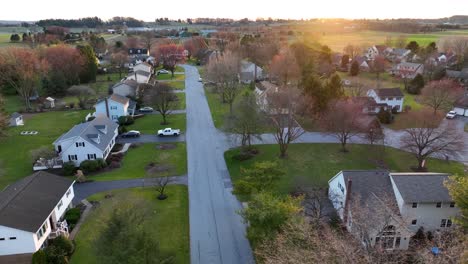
{"x": 136, "y": 79}
{"x": 347, "y": 200}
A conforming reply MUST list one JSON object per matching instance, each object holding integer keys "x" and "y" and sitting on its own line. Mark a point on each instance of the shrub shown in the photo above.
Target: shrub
{"x": 39, "y": 257}
{"x": 242, "y": 156}
{"x": 125, "y": 120}
{"x": 59, "y": 250}
{"x": 71, "y": 105}
{"x": 72, "y": 216}
{"x": 384, "y": 116}
{"x": 92, "y": 165}
{"x": 64, "y": 245}
{"x": 69, "y": 168}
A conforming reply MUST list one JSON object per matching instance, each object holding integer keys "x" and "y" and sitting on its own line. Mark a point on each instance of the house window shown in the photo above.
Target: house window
{"x": 113, "y": 107}
{"x": 439, "y": 205}
{"x": 72, "y": 157}
{"x": 397, "y": 242}
{"x": 59, "y": 205}
{"x": 114, "y": 117}
{"x": 449, "y": 223}
{"x": 68, "y": 193}
{"x": 452, "y": 204}
{"x": 414, "y": 221}
{"x": 91, "y": 156}
{"x": 80, "y": 144}
{"x": 12, "y": 238}
{"x": 443, "y": 223}
{"x": 415, "y": 205}
{"x": 2, "y": 238}
{"x": 390, "y": 98}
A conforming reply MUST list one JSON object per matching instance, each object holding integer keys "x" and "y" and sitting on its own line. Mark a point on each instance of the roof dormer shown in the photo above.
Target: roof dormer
{"x": 95, "y": 137}
{"x": 101, "y": 128}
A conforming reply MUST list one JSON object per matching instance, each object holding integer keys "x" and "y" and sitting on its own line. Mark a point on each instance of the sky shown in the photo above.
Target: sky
{"x": 148, "y": 10}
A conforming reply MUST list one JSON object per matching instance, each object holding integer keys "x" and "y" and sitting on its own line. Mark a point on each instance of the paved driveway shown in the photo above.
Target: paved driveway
{"x": 217, "y": 233}
{"x": 151, "y": 139}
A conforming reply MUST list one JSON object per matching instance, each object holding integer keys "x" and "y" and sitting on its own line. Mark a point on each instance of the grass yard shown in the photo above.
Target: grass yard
{"x": 337, "y": 41}
{"x": 315, "y": 164}
{"x": 168, "y": 162}
{"x": 411, "y": 119}
{"x": 217, "y": 108}
{"x": 178, "y": 85}
{"x": 169, "y": 222}
{"x": 181, "y": 104}
{"x": 13, "y": 103}
{"x": 150, "y": 123}
{"x": 103, "y": 81}
{"x": 15, "y": 160}
{"x": 168, "y": 77}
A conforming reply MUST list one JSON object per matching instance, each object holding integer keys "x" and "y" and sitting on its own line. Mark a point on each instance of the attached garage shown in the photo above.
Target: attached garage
{"x": 461, "y": 106}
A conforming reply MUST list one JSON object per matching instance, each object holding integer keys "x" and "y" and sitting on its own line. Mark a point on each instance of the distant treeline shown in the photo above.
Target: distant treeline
{"x": 402, "y": 25}
{"x": 91, "y": 22}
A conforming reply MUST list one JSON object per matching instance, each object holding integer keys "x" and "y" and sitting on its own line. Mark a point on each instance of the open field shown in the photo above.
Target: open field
{"x": 168, "y": 77}
{"x": 315, "y": 164}
{"x": 167, "y": 162}
{"x": 168, "y": 222}
{"x": 337, "y": 41}
{"x": 150, "y": 123}
{"x": 15, "y": 160}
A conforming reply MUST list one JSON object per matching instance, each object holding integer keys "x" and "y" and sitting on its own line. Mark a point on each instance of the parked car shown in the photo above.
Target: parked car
{"x": 451, "y": 115}
{"x": 200, "y": 79}
{"x": 168, "y": 132}
{"x": 131, "y": 133}
{"x": 163, "y": 72}
{"x": 146, "y": 109}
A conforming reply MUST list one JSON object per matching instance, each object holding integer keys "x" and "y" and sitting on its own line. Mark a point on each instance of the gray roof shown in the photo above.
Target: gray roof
{"x": 464, "y": 74}
{"x": 144, "y": 73}
{"x": 422, "y": 187}
{"x": 453, "y": 74}
{"x": 400, "y": 52}
{"x": 365, "y": 183}
{"x": 92, "y": 128}
{"x": 15, "y": 115}
{"x": 130, "y": 83}
{"x": 27, "y": 203}
{"x": 385, "y": 92}
{"x": 246, "y": 76}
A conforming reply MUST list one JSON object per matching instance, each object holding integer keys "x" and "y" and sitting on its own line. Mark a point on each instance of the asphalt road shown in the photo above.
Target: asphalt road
{"x": 217, "y": 233}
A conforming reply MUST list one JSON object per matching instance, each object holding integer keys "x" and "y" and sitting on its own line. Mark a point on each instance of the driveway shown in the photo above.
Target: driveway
{"x": 157, "y": 113}
{"x": 151, "y": 139}
{"x": 217, "y": 232}
{"x": 84, "y": 190}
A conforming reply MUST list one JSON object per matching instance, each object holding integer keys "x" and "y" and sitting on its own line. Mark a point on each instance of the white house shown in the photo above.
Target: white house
{"x": 139, "y": 76}
{"x": 87, "y": 141}
{"x": 262, "y": 89}
{"x": 392, "y": 97}
{"x": 31, "y": 212}
{"x": 414, "y": 200}
{"x": 461, "y": 106}
{"x": 398, "y": 55}
{"x": 144, "y": 66}
{"x": 126, "y": 88}
{"x": 115, "y": 106}
{"x": 247, "y": 72}
{"x": 16, "y": 119}
{"x": 423, "y": 200}
{"x": 408, "y": 70}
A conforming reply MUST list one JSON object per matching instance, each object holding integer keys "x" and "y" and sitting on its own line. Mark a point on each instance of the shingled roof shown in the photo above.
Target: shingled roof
{"x": 462, "y": 102}
{"x": 422, "y": 187}
{"x": 386, "y": 92}
{"x": 26, "y": 204}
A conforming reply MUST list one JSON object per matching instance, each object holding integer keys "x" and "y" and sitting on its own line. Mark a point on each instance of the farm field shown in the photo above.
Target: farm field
{"x": 337, "y": 41}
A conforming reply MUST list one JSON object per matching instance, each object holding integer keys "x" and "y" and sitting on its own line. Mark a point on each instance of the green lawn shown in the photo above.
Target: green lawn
{"x": 13, "y": 103}
{"x": 178, "y": 85}
{"x": 15, "y": 159}
{"x": 169, "y": 223}
{"x": 217, "y": 108}
{"x": 168, "y": 77}
{"x": 149, "y": 124}
{"x": 103, "y": 81}
{"x": 171, "y": 162}
{"x": 315, "y": 164}
{"x": 181, "y": 104}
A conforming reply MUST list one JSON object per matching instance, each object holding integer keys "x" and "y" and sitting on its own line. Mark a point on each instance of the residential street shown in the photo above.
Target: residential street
{"x": 217, "y": 233}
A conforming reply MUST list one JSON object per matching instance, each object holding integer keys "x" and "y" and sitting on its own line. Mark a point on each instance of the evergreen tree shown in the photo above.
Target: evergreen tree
{"x": 354, "y": 71}
{"x": 90, "y": 67}
{"x": 416, "y": 84}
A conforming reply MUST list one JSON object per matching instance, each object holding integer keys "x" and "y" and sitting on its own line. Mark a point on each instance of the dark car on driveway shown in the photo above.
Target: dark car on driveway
{"x": 131, "y": 133}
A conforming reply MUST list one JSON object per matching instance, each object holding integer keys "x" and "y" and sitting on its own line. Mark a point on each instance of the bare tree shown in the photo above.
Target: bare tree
{"x": 161, "y": 184}
{"x": 401, "y": 42}
{"x": 224, "y": 70}
{"x": 373, "y": 132}
{"x": 3, "y": 118}
{"x": 282, "y": 108}
{"x": 343, "y": 120}
{"x": 284, "y": 68}
{"x": 161, "y": 97}
{"x": 46, "y": 155}
{"x": 147, "y": 39}
{"x": 431, "y": 139}
{"x": 83, "y": 94}
{"x": 118, "y": 60}
{"x": 440, "y": 95}
{"x": 351, "y": 50}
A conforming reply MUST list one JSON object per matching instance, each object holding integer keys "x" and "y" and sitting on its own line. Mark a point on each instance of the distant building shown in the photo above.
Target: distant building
{"x": 126, "y": 88}
{"x": 115, "y": 106}
{"x": 16, "y": 119}
{"x": 248, "y": 72}
{"x": 136, "y": 51}
{"x": 408, "y": 70}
